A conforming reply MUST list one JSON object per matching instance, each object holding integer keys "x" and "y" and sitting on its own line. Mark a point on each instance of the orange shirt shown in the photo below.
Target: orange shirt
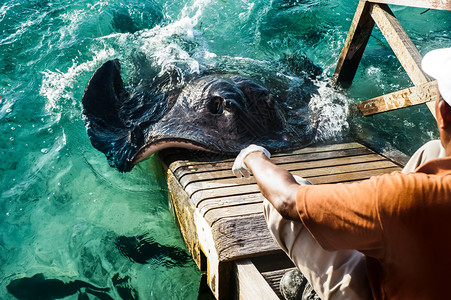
{"x": 401, "y": 222}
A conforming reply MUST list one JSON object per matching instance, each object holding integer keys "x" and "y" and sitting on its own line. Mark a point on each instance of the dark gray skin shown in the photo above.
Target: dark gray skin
{"x": 216, "y": 113}
{"x": 39, "y": 288}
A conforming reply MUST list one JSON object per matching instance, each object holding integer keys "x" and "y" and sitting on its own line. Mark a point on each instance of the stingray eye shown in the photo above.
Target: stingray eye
{"x": 215, "y": 105}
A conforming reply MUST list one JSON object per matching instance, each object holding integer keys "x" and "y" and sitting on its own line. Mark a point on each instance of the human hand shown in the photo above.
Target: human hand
{"x": 239, "y": 168}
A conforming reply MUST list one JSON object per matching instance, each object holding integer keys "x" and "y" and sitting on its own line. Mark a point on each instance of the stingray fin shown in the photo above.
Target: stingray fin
{"x": 104, "y": 94}
{"x": 103, "y": 101}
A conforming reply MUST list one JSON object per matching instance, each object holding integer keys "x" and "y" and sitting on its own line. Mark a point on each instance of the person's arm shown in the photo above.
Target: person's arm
{"x": 275, "y": 183}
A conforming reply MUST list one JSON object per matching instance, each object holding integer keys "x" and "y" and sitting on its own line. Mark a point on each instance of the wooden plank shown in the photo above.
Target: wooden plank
{"x": 192, "y": 170}
{"x": 189, "y": 166}
{"x": 315, "y": 177}
{"x": 399, "y": 41}
{"x": 242, "y": 237}
{"x": 323, "y": 148}
{"x": 250, "y": 284}
{"x": 214, "y": 214}
{"x": 228, "y": 201}
{"x": 411, "y": 96}
{"x": 184, "y": 213}
{"x": 198, "y": 193}
{"x": 354, "y": 46}
{"x": 348, "y": 177}
{"x": 434, "y": 4}
{"x": 219, "y": 178}
{"x": 307, "y": 169}
{"x": 402, "y": 46}
{"x": 218, "y": 270}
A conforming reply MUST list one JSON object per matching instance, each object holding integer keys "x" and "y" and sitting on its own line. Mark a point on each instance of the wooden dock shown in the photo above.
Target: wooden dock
{"x": 221, "y": 216}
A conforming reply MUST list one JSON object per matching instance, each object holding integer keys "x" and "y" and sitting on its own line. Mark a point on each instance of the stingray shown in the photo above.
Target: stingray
{"x": 38, "y": 287}
{"x": 219, "y": 113}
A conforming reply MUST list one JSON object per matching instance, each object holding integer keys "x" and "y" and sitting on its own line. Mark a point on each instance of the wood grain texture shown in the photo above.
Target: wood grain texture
{"x": 184, "y": 213}
{"x": 186, "y": 166}
{"x": 200, "y": 191}
{"x": 242, "y": 236}
{"x": 434, "y": 4}
{"x": 221, "y": 217}
{"x": 402, "y": 46}
{"x": 399, "y": 41}
{"x": 354, "y": 46}
{"x": 404, "y": 98}
{"x": 216, "y": 179}
{"x": 250, "y": 284}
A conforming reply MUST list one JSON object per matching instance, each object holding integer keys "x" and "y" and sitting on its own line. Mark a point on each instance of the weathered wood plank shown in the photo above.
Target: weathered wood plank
{"x": 354, "y": 46}
{"x": 317, "y": 178}
{"x": 348, "y": 177}
{"x": 228, "y": 201}
{"x": 323, "y": 148}
{"x": 214, "y": 214}
{"x": 219, "y": 178}
{"x": 226, "y": 223}
{"x": 250, "y": 284}
{"x": 184, "y": 212}
{"x": 198, "y": 193}
{"x": 218, "y": 270}
{"x": 434, "y": 4}
{"x": 193, "y": 170}
{"x": 241, "y": 237}
{"x": 307, "y": 172}
{"x": 187, "y": 160}
{"x": 402, "y": 46}
{"x": 399, "y": 41}
{"x": 411, "y": 96}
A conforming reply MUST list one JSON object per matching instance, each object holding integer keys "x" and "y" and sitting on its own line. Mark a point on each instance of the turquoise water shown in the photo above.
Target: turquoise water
{"x": 62, "y": 207}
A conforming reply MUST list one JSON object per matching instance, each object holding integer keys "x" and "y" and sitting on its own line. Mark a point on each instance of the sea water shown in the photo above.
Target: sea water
{"x": 62, "y": 208}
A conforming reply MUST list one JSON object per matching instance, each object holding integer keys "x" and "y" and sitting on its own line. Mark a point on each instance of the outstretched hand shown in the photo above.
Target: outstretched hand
{"x": 239, "y": 168}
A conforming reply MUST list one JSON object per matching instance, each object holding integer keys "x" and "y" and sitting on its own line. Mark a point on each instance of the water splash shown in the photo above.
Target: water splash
{"x": 58, "y": 86}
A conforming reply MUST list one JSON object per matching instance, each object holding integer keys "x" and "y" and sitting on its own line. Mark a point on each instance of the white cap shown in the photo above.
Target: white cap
{"x": 437, "y": 64}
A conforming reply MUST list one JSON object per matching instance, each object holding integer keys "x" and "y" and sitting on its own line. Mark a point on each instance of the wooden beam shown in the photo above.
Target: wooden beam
{"x": 250, "y": 284}
{"x": 434, "y": 4}
{"x": 400, "y": 42}
{"x": 411, "y": 96}
{"x": 355, "y": 44}
{"x": 402, "y": 46}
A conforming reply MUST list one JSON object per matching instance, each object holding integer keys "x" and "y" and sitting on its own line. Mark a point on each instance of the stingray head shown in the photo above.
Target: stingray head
{"x": 217, "y": 113}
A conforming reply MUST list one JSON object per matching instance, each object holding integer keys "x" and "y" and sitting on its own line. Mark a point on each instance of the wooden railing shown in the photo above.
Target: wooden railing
{"x": 369, "y": 13}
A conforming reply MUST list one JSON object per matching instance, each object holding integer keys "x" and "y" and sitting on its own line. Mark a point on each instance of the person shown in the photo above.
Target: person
{"x": 385, "y": 237}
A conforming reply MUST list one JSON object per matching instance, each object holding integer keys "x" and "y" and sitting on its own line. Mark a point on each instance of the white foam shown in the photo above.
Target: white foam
{"x": 58, "y": 85}
{"x": 331, "y": 110}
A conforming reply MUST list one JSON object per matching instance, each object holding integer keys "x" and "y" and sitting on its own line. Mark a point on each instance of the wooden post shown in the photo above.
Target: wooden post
{"x": 377, "y": 11}
{"x": 400, "y": 99}
{"x": 355, "y": 44}
{"x": 399, "y": 41}
{"x": 402, "y": 46}
{"x": 434, "y": 4}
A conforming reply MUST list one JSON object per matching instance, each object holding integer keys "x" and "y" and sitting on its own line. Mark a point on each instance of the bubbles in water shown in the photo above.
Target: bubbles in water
{"x": 330, "y": 109}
